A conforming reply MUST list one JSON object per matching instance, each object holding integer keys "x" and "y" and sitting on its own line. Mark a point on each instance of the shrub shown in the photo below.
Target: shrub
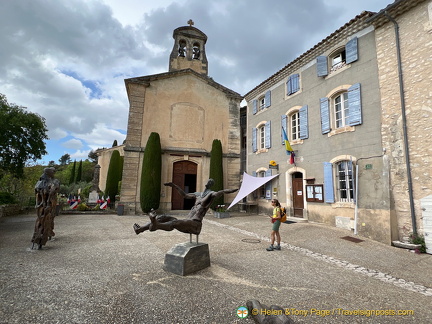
{"x": 418, "y": 239}
{"x": 114, "y": 175}
{"x": 216, "y": 171}
{"x": 151, "y": 174}
{"x": 6, "y": 198}
{"x": 82, "y": 207}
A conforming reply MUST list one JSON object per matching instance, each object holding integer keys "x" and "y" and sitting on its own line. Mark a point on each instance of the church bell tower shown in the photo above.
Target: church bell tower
{"x": 189, "y": 50}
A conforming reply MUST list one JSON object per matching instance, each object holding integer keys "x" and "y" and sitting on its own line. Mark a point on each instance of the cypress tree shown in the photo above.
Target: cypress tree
{"x": 114, "y": 175}
{"x": 216, "y": 171}
{"x": 114, "y": 143}
{"x": 151, "y": 174}
{"x": 79, "y": 172}
{"x": 72, "y": 177}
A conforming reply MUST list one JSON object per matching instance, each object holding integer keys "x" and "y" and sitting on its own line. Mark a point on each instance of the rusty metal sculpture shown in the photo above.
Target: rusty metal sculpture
{"x": 46, "y": 190}
{"x": 193, "y": 223}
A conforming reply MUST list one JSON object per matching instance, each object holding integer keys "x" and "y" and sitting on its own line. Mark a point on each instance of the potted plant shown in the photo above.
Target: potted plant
{"x": 221, "y": 212}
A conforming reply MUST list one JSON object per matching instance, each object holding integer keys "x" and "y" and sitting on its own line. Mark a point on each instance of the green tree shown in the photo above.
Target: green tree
{"x": 79, "y": 172}
{"x": 72, "y": 176}
{"x": 88, "y": 169}
{"x": 65, "y": 159}
{"x": 114, "y": 175}
{"x": 93, "y": 157}
{"x": 151, "y": 174}
{"x": 22, "y": 137}
{"x": 216, "y": 171}
{"x": 114, "y": 143}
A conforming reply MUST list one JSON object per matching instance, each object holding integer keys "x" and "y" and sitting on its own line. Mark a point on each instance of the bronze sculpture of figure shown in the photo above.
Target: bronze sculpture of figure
{"x": 46, "y": 190}
{"x": 193, "y": 223}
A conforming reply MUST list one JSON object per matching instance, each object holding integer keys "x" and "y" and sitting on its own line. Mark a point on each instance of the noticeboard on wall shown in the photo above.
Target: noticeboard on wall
{"x": 315, "y": 193}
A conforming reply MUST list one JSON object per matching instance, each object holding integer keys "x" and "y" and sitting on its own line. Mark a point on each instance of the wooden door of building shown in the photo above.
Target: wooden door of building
{"x": 297, "y": 193}
{"x": 184, "y": 175}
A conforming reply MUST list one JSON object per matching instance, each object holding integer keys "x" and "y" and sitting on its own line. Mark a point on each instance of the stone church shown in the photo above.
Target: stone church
{"x": 188, "y": 110}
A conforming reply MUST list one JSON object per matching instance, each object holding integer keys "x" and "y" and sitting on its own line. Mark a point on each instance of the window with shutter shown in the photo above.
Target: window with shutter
{"x": 255, "y": 106}
{"x": 293, "y": 84}
{"x": 338, "y": 59}
{"x": 342, "y": 111}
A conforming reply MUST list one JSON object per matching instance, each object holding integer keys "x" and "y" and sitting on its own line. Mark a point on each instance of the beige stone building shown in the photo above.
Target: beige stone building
{"x": 357, "y": 110}
{"x": 104, "y": 158}
{"x": 188, "y": 110}
{"x": 404, "y": 55}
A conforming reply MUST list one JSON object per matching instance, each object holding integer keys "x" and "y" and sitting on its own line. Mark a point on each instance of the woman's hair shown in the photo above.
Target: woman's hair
{"x": 277, "y": 203}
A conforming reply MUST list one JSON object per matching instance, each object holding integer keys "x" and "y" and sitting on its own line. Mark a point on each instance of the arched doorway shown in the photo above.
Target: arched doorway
{"x": 297, "y": 194}
{"x": 185, "y": 176}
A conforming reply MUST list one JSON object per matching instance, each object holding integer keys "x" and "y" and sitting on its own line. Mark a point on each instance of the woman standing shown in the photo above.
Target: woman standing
{"x": 275, "y": 219}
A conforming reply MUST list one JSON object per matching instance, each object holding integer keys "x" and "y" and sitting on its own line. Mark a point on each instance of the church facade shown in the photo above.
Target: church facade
{"x": 188, "y": 110}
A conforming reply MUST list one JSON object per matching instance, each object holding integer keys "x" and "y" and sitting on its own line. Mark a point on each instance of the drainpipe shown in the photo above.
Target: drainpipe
{"x": 404, "y": 123}
{"x": 356, "y": 200}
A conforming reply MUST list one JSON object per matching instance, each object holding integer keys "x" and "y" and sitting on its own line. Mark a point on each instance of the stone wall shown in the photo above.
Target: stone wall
{"x": 415, "y": 31}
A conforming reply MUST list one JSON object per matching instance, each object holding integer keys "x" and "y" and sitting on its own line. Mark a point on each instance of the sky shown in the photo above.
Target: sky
{"x": 66, "y": 60}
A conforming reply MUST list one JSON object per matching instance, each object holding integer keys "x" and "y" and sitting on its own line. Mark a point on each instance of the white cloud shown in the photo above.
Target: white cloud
{"x": 73, "y": 144}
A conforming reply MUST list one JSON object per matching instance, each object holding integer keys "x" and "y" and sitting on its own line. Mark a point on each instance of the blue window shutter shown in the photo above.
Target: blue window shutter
{"x": 325, "y": 115}
{"x": 268, "y": 186}
{"x": 295, "y": 79}
{"x": 268, "y": 99}
{"x": 328, "y": 183}
{"x": 254, "y": 139}
{"x": 354, "y": 105}
{"x": 351, "y": 50}
{"x": 255, "y": 106}
{"x": 254, "y": 174}
{"x": 267, "y": 135}
{"x": 304, "y": 129}
{"x": 322, "y": 70}
{"x": 284, "y": 119}
{"x": 289, "y": 86}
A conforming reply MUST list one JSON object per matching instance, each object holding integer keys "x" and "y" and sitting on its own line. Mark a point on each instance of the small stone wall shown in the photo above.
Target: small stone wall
{"x": 9, "y": 210}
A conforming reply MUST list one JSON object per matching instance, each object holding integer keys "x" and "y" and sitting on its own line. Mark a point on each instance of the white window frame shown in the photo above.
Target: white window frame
{"x": 344, "y": 181}
{"x": 261, "y": 137}
{"x": 340, "y": 109}
{"x": 261, "y": 103}
{"x": 294, "y": 126}
{"x": 338, "y": 60}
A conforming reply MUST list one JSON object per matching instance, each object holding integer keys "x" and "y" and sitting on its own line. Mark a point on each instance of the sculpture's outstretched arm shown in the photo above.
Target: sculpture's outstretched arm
{"x": 223, "y": 191}
{"x": 180, "y": 190}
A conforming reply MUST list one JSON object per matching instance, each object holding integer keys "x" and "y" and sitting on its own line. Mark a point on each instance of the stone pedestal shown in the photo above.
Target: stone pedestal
{"x": 187, "y": 258}
{"x": 221, "y": 214}
{"x": 93, "y": 197}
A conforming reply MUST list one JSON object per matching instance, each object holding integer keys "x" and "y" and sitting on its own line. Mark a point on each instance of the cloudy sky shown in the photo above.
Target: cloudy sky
{"x": 67, "y": 59}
